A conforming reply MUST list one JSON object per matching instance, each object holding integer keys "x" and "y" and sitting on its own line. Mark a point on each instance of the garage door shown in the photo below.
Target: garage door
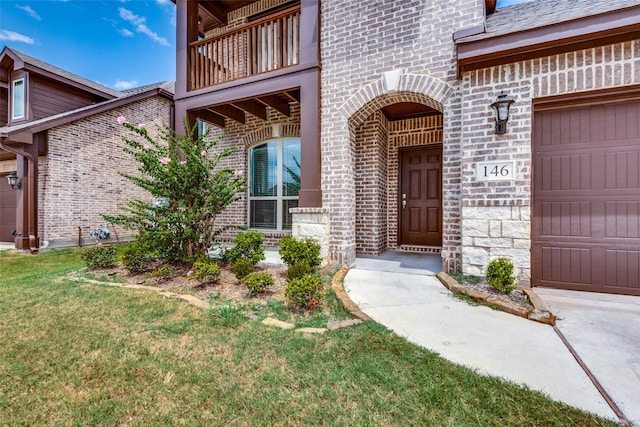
{"x": 8, "y": 203}
{"x": 586, "y": 198}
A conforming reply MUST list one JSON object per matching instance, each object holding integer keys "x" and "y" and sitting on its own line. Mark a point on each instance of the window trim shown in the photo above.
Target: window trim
{"x": 13, "y": 99}
{"x": 279, "y": 197}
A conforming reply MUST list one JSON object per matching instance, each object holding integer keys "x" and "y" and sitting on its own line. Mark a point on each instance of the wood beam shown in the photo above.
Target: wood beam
{"x": 293, "y": 95}
{"x": 252, "y": 107}
{"x": 210, "y": 117}
{"x": 212, "y": 8}
{"x": 276, "y": 103}
{"x": 230, "y": 112}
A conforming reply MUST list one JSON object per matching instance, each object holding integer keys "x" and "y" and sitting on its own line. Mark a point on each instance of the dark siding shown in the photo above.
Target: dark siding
{"x": 48, "y": 97}
{"x": 4, "y": 106}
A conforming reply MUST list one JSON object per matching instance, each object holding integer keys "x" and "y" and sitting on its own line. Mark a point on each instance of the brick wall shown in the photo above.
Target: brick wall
{"x": 79, "y": 176}
{"x": 374, "y": 54}
{"x": 496, "y": 215}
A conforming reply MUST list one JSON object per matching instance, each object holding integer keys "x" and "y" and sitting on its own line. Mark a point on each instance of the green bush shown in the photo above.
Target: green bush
{"x": 98, "y": 257}
{"x": 305, "y": 291}
{"x": 258, "y": 282}
{"x": 135, "y": 258}
{"x": 248, "y": 246}
{"x": 298, "y": 270}
{"x": 500, "y": 275}
{"x": 293, "y": 250}
{"x": 242, "y": 267}
{"x": 163, "y": 272}
{"x": 205, "y": 271}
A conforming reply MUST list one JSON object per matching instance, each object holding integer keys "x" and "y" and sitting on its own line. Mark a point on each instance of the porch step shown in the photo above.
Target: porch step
{"x": 423, "y": 249}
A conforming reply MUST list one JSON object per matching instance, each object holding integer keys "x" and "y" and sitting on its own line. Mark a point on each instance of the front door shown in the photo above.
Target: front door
{"x": 421, "y": 197}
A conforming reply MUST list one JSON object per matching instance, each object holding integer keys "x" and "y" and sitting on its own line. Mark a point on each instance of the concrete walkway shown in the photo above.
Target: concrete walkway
{"x": 402, "y": 293}
{"x": 604, "y": 330}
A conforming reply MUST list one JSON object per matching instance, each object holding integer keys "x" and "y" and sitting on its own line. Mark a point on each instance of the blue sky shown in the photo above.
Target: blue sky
{"x": 119, "y": 43}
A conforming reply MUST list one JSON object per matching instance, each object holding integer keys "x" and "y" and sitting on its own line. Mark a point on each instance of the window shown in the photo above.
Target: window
{"x": 274, "y": 183}
{"x": 18, "y": 98}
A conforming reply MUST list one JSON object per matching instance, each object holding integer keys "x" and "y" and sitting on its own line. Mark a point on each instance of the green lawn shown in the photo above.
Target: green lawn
{"x": 73, "y": 353}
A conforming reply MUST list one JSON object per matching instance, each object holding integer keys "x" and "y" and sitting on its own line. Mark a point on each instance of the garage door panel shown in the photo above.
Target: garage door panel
{"x": 566, "y": 265}
{"x": 566, "y": 219}
{"x": 586, "y": 201}
{"x": 621, "y": 169}
{"x": 622, "y": 219}
{"x": 622, "y": 269}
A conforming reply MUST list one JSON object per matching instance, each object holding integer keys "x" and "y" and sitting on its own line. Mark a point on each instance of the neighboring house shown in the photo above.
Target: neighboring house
{"x": 60, "y": 136}
{"x": 368, "y": 126}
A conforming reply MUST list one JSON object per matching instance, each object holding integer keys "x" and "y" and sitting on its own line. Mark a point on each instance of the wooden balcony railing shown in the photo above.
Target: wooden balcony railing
{"x": 265, "y": 45}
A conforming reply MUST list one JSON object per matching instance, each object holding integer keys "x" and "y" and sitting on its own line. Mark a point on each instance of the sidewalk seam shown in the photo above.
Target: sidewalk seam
{"x": 616, "y": 410}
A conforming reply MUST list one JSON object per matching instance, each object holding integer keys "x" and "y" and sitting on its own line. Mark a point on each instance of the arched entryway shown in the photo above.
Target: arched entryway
{"x": 398, "y": 174}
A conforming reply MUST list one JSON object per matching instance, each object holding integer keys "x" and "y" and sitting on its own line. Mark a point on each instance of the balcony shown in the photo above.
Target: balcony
{"x": 265, "y": 45}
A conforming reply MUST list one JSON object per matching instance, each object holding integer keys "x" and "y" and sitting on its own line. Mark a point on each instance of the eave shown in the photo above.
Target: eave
{"x": 598, "y": 30}
{"x": 23, "y": 132}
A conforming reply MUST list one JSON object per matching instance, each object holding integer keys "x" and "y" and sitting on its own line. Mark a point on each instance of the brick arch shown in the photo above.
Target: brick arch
{"x": 385, "y": 91}
{"x": 267, "y": 132}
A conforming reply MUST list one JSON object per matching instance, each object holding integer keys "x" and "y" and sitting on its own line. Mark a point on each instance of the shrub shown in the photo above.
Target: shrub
{"x": 298, "y": 270}
{"x": 189, "y": 189}
{"x": 242, "y": 267}
{"x": 204, "y": 271}
{"x": 305, "y": 291}
{"x": 162, "y": 273}
{"x": 293, "y": 250}
{"x": 248, "y": 246}
{"x": 100, "y": 257}
{"x": 258, "y": 282}
{"x": 500, "y": 275}
{"x": 135, "y": 258}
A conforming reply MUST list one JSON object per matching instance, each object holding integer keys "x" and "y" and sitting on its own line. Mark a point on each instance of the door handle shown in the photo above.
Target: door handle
{"x": 404, "y": 200}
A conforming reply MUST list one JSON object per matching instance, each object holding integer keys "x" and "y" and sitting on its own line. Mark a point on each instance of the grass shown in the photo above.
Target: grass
{"x": 84, "y": 354}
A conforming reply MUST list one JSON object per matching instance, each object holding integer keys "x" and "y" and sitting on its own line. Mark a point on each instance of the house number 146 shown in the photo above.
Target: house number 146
{"x": 493, "y": 171}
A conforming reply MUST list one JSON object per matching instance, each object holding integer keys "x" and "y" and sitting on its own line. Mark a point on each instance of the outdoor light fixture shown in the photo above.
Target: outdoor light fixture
{"x": 14, "y": 181}
{"x": 502, "y": 106}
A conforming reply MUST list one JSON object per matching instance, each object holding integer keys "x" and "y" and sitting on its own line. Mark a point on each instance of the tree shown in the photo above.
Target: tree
{"x": 188, "y": 187}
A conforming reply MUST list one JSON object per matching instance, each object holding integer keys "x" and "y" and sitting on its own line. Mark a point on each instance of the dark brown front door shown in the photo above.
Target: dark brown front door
{"x": 8, "y": 202}
{"x": 420, "y": 201}
{"x": 586, "y": 210}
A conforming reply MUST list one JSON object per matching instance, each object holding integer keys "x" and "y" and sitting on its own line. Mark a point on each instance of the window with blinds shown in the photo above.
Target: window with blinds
{"x": 274, "y": 183}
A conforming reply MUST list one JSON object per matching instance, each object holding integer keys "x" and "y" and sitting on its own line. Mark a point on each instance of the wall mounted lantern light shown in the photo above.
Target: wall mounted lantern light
{"x": 14, "y": 181}
{"x": 502, "y": 106}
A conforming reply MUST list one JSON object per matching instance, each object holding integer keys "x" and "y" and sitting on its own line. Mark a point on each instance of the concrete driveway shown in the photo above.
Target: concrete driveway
{"x": 401, "y": 292}
{"x": 604, "y": 330}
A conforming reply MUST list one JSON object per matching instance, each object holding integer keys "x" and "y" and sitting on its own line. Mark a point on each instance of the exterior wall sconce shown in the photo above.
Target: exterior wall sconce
{"x": 14, "y": 181}
{"x": 502, "y": 106}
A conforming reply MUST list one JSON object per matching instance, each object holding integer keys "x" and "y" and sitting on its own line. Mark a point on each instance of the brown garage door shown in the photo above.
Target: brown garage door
{"x": 8, "y": 203}
{"x": 586, "y": 207}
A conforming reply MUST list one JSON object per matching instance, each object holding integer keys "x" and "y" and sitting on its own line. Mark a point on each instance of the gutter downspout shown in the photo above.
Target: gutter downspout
{"x": 31, "y": 201}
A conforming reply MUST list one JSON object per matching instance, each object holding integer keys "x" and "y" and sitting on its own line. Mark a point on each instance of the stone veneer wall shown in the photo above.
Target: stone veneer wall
{"x": 79, "y": 177}
{"x": 373, "y": 54}
{"x": 496, "y": 215}
{"x": 241, "y": 137}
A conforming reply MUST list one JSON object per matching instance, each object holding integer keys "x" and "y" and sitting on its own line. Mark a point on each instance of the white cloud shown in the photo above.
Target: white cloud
{"x": 32, "y": 13}
{"x": 15, "y": 37}
{"x": 122, "y": 85}
{"x": 140, "y": 25}
{"x": 126, "y": 32}
{"x": 163, "y": 2}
